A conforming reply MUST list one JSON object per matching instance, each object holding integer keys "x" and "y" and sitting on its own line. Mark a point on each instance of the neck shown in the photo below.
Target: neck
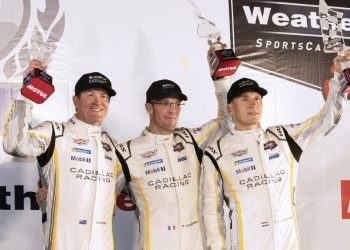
{"x": 246, "y": 127}
{"x": 96, "y": 124}
{"x": 158, "y": 131}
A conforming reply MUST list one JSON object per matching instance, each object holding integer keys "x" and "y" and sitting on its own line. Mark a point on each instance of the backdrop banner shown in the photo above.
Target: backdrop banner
{"x": 137, "y": 42}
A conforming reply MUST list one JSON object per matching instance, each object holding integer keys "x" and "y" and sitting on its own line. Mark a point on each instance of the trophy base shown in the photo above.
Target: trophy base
{"x": 344, "y": 81}
{"x": 344, "y": 78}
{"x": 37, "y": 86}
{"x": 224, "y": 63}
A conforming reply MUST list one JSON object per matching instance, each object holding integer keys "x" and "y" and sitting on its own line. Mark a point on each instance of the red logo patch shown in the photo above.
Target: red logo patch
{"x": 345, "y": 199}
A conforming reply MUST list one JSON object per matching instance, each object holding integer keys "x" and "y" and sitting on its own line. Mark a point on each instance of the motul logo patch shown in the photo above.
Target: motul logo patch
{"x": 36, "y": 91}
{"x": 345, "y": 199}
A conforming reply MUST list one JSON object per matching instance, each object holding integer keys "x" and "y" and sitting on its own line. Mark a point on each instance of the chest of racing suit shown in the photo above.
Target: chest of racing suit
{"x": 255, "y": 172}
{"x": 164, "y": 173}
{"x": 258, "y": 175}
{"x": 77, "y": 164}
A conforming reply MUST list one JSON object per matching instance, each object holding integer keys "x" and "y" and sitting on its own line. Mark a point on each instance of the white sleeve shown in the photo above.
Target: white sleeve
{"x": 18, "y": 139}
{"x": 221, "y": 125}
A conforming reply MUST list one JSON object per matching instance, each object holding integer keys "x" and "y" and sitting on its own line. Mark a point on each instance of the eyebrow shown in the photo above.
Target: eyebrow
{"x": 97, "y": 89}
{"x": 246, "y": 95}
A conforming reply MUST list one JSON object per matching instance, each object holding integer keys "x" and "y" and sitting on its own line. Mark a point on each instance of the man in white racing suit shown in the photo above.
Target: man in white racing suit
{"x": 162, "y": 168}
{"x": 255, "y": 171}
{"x": 77, "y": 164}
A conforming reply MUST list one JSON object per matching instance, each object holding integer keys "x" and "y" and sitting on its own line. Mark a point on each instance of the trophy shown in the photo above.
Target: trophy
{"x": 333, "y": 39}
{"x": 222, "y": 61}
{"x": 37, "y": 85}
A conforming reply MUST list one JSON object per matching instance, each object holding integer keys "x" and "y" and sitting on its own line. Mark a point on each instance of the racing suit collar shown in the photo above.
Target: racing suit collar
{"x": 85, "y": 128}
{"x": 249, "y": 135}
{"x": 158, "y": 139}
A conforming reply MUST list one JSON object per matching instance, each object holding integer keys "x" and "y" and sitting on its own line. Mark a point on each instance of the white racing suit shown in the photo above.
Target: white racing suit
{"x": 255, "y": 173}
{"x": 163, "y": 178}
{"x": 78, "y": 165}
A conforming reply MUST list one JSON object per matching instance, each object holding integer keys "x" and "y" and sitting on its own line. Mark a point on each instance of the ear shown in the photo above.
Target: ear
{"x": 149, "y": 108}
{"x": 231, "y": 110}
{"x": 75, "y": 100}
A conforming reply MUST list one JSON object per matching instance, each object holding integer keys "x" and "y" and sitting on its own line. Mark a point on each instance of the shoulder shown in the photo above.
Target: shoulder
{"x": 214, "y": 149}
{"x": 276, "y": 131}
{"x": 221, "y": 147}
{"x": 48, "y": 127}
{"x": 185, "y": 134}
{"x": 107, "y": 137}
{"x": 124, "y": 149}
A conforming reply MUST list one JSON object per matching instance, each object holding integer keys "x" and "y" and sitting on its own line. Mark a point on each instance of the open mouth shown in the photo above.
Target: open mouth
{"x": 96, "y": 109}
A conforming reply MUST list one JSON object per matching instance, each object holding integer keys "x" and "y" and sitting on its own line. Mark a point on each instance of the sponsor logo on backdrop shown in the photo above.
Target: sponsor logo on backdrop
{"x": 24, "y": 200}
{"x": 125, "y": 203}
{"x": 345, "y": 199}
{"x": 16, "y": 32}
{"x": 20, "y": 198}
{"x": 283, "y": 38}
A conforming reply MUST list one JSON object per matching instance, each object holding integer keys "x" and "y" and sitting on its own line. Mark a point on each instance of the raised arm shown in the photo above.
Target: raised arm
{"x": 18, "y": 139}
{"x": 221, "y": 125}
{"x": 321, "y": 124}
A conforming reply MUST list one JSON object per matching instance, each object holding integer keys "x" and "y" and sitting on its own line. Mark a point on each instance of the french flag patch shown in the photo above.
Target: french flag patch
{"x": 265, "y": 224}
{"x": 171, "y": 227}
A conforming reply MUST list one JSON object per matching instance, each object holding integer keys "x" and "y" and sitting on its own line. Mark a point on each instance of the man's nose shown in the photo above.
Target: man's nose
{"x": 98, "y": 99}
{"x": 253, "y": 102}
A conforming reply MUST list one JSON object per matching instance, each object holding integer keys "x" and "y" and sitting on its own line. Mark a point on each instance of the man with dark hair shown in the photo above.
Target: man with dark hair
{"x": 162, "y": 169}
{"x": 77, "y": 164}
{"x": 255, "y": 171}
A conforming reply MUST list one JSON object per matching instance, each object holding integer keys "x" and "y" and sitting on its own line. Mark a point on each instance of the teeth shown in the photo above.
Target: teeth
{"x": 97, "y": 110}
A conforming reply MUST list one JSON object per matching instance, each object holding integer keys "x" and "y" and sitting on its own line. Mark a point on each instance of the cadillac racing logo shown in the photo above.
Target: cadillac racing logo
{"x": 284, "y": 38}
{"x": 18, "y": 21}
